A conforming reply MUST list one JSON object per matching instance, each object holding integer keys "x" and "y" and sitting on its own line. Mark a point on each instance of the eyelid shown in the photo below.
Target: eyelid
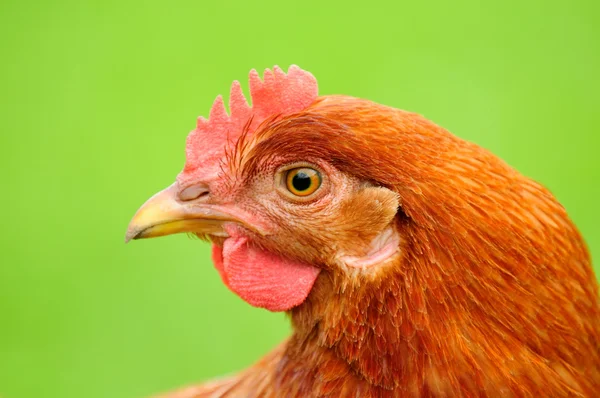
{"x": 298, "y": 165}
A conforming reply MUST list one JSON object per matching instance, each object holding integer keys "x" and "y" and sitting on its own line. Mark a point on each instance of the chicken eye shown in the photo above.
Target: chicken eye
{"x": 303, "y": 181}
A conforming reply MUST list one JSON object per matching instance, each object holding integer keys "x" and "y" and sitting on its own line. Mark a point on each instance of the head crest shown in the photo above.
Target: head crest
{"x": 277, "y": 94}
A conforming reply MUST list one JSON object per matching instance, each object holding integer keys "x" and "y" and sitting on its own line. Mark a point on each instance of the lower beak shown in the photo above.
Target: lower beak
{"x": 164, "y": 214}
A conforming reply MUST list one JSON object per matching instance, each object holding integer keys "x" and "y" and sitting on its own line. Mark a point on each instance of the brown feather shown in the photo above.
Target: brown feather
{"x": 493, "y": 294}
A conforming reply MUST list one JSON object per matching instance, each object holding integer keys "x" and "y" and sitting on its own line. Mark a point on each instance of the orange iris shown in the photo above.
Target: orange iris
{"x": 303, "y": 181}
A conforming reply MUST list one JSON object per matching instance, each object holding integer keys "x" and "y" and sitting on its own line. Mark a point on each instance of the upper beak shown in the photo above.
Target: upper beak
{"x": 165, "y": 214}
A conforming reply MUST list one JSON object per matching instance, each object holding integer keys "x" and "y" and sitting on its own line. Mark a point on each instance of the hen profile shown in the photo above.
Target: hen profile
{"x": 412, "y": 263}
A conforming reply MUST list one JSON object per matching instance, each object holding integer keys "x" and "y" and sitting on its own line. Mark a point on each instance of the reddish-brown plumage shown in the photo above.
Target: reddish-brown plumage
{"x": 492, "y": 293}
{"x": 423, "y": 264}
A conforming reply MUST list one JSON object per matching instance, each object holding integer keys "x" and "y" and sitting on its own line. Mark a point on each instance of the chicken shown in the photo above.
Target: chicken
{"x": 411, "y": 263}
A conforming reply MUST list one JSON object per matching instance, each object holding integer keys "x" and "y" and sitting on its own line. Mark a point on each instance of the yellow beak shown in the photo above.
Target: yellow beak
{"x": 165, "y": 214}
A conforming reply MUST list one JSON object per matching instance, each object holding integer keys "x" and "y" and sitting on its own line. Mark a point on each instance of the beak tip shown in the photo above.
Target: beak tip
{"x": 132, "y": 234}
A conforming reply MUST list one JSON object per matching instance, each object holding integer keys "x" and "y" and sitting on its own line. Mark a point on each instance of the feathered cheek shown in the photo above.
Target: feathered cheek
{"x": 381, "y": 250}
{"x": 370, "y": 219}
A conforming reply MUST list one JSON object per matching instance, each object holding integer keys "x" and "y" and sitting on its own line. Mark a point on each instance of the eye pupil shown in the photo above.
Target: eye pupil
{"x": 301, "y": 181}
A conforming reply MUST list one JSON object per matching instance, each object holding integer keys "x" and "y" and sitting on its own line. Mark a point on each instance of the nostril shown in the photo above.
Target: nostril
{"x": 194, "y": 192}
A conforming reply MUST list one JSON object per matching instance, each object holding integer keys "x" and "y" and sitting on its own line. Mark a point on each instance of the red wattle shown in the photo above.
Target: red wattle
{"x": 261, "y": 278}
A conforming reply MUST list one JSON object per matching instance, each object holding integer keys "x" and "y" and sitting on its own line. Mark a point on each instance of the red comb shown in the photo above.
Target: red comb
{"x": 277, "y": 94}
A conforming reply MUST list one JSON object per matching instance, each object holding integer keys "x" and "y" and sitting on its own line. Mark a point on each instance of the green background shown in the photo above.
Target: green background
{"x": 98, "y": 97}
